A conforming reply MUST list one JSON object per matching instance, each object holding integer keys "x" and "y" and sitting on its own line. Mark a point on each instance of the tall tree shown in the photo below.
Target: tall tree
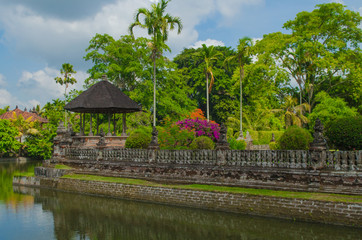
{"x": 209, "y": 55}
{"x": 157, "y": 24}
{"x": 66, "y": 71}
{"x": 243, "y": 57}
{"x": 323, "y": 47}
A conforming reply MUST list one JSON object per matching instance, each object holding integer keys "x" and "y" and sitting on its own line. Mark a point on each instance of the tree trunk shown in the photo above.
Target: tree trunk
{"x": 154, "y": 92}
{"x": 207, "y": 96}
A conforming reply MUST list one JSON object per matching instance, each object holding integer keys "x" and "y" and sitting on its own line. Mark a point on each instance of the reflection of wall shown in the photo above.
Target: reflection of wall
{"x": 105, "y": 218}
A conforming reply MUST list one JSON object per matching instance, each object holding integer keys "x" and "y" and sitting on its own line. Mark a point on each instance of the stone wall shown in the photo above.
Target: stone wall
{"x": 338, "y": 172}
{"x": 297, "y": 209}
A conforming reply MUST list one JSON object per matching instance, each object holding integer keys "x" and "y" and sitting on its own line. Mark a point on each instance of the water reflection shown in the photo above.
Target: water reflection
{"x": 28, "y": 213}
{"x": 80, "y": 216}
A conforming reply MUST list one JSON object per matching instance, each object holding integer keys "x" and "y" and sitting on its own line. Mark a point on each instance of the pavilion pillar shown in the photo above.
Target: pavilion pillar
{"x": 83, "y": 124}
{"x": 124, "y": 128}
{"x": 109, "y": 125}
{"x": 114, "y": 125}
{"x": 97, "y": 123}
{"x": 90, "y": 126}
{"x": 81, "y": 132}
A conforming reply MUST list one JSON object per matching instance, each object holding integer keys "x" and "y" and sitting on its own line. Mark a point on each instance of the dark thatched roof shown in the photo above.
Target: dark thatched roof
{"x": 103, "y": 97}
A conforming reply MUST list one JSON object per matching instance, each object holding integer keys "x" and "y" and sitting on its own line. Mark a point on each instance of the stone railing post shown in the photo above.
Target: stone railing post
{"x": 318, "y": 148}
{"x": 153, "y": 146}
{"x": 221, "y": 146}
{"x": 62, "y": 141}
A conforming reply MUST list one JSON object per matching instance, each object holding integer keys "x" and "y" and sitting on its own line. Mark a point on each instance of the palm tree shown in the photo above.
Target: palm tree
{"x": 66, "y": 71}
{"x": 243, "y": 57}
{"x": 157, "y": 25}
{"x": 293, "y": 113}
{"x": 209, "y": 55}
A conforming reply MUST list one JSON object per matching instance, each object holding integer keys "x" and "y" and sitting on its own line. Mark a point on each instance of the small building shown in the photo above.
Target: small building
{"x": 32, "y": 115}
{"x": 101, "y": 98}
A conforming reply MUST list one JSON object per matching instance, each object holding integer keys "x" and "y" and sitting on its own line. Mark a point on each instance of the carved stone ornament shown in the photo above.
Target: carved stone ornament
{"x": 222, "y": 143}
{"x": 319, "y": 142}
{"x": 154, "y": 140}
{"x": 102, "y": 140}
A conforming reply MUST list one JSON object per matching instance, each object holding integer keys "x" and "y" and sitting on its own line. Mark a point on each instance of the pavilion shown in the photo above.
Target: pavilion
{"x": 102, "y": 98}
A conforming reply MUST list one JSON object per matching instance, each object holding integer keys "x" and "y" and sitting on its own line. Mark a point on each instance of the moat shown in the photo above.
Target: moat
{"x": 30, "y": 213}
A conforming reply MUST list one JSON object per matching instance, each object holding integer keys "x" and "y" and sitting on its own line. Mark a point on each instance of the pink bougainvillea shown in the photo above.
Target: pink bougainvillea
{"x": 201, "y": 128}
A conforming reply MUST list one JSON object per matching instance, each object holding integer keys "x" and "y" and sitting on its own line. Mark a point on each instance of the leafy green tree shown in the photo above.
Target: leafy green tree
{"x": 157, "y": 24}
{"x": 329, "y": 109}
{"x": 4, "y": 110}
{"x": 223, "y": 99}
{"x": 243, "y": 57}
{"x": 8, "y": 143}
{"x": 323, "y": 48}
{"x": 123, "y": 61}
{"x": 66, "y": 71}
{"x": 209, "y": 55}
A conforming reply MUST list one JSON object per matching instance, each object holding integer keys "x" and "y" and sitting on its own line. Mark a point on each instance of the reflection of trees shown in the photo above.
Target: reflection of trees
{"x": 80, "y": 216}
{"x": 7, "y": 195}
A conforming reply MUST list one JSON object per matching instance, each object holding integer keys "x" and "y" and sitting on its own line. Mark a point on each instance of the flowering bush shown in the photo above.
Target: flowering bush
{"x": 197, "y": 114}
{"x": 201, "y": 128}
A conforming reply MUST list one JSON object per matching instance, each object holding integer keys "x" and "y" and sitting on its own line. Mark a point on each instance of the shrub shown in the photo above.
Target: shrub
{"x": 138, "y": 139}
{"x": 172, "y": 137}
{"x": 237, "y": 144}
{"x": 273, "y": 146}
{"x": 295, "y": 138}
{"x": 346, "y": 133}
{"x": 201, "y": 128}
{"x": 202, "y": 142}
{"x": 39, "y": 145}
{"x": 8, "y": 143}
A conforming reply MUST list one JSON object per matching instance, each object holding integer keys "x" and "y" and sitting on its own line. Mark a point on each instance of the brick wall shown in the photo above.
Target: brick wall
{"x": 298, "y": 209}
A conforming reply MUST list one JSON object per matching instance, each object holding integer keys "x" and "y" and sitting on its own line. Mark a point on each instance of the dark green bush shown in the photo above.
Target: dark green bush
{"x": 202, "y": 142}
{"x": 295, "y": 138}
{"x": 40, "y": 146}
{"x": 138, "y": 139}
{"x": 172, "y": 137}
{"x": 237, "y": 144}
{"x": 346, "y": 133}
{"x": 8, "y": 144}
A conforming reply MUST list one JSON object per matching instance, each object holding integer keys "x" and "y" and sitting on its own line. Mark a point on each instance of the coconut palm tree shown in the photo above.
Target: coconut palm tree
{"x": 157, "y": 24}
{"x": 293, "y": 113}
{"x": 209, "y": 55}
{"x": 66, "y": 71}
{"x": 243, "y": 57}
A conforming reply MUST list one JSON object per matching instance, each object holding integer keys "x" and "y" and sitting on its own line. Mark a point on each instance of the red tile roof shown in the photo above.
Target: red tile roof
{"x": 26, "y": 115}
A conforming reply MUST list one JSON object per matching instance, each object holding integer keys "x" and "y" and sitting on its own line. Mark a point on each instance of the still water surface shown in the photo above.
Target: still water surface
{"x": 28, "y": 213}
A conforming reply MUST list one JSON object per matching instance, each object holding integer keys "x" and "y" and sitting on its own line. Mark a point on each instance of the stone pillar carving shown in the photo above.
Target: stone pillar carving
{"x": 318, "y": 147}
{"x": 222, "y": 143}
{"x": 61, "y": 142}
{"x": 102, "y": 140}
{"x": 249, "y": 141}
{"x": 154, "y": 141}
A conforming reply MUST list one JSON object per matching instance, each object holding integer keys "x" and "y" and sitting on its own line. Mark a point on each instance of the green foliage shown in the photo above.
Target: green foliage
{"x": 264, "y": 137}
{"x": 8, "y": 144}
{"x": 40, "y": 145}
{"x": 295, "y": 138}
{"x": 140, "y": 138}
{"x": 346, "y": 133}
{"x": 329, "y": 109}
{"x": 172, "y": 137}
{"x": 202, "y": 142}
{"x": 236, "y": 144}
{"x": 274, "y": 146}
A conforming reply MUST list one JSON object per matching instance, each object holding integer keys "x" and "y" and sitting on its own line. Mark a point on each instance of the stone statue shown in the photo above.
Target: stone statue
{"x": 318, "y": 148}
{"x": 154, "y": 140}
{"x": 222, "y": 143}
{"x": 102, "y": 140}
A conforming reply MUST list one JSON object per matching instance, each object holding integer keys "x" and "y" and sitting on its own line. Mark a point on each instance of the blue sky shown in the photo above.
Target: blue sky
{"x": 38, "y": 36}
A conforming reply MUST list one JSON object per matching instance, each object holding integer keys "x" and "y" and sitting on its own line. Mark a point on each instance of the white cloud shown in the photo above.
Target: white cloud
{"x": 40, "y": 86}
{"x": 6, "y": 99}
{"x": 2, "y": 80}
{"x": 207, "y": 42}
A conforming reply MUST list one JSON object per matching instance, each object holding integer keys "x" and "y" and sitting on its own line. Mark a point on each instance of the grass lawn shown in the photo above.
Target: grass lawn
{"x": 262, "y": 192}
